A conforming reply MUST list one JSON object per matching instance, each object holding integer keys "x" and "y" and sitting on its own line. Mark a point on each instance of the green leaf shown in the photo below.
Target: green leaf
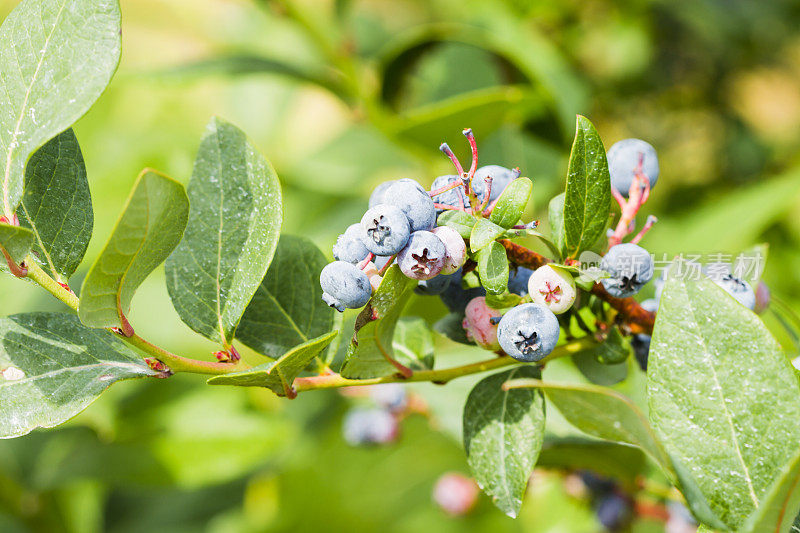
{"x": 451, "y": 327}
{"x": 483, "y": 234}
{"x": 233, "y": 230}
{"x": 59, "y": 55}
{"x": 504, "y": 300}
{"x": 781, "y": 504}
{"x": 493, "y": 268}
{"x": 15, "y": 241}
{"x": 57, "y": 205}
{"x": 413, "y": 343}
{"x": 556, "y": 219}
{"x": 459, "y": 221}
{"x": 148, "y": 229}
{"x": 597, "y": 372}
{"x": 503, "y": 434}
{"x": 53, "y": 367}
{"x": 715, "y": 370}
{"x": 603, "y": 413}
{"x": 625, "y": 464}
{"x": 371, "y": 350}
{"x": 511, "y": 204}
{"x": 287, "y": 308}
{"x": 587, "y": 203}
{"x": 278, "y": 375}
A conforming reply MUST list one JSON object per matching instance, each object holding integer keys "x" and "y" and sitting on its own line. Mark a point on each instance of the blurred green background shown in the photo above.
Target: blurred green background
{"x": 342, "y": 95}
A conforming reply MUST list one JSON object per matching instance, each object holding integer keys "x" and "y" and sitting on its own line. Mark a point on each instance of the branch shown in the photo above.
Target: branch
{"x": 630, "y": 312}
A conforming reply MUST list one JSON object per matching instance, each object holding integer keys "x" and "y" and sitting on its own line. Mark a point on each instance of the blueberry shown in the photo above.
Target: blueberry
{"x": 630, "y": 267}
{"x": 379, "y": 193}
{"x": 518, "y": 280}
{"x": 528, "y": 332}
{"x": 651, "y": 305}
{"x": 344, "y": 286}
{"x": 478, "y": 324}
{"x": 613, "y": 511}
{"x": 597, "y": 485}
{"x": 456, "y": 248}
{"x": 391, "y": 396}
{"x": 423, "y": 257}
{"x": 737, "y": 288}
{"x": 434, "y": 286}
{"x": 455, "y": 297}
{"x": 349, "y": 245}
{"x": 501, "y": 177}
{"x": 455, "y": 493}
{"x": 369, "y": 426}
{"x": 623, "y": 160}
{"x": 417, "y": 206}
{"x": 454, "y": 197}
{"x": 641, "y": 349}
{"x": 386, "y": 229}
{"x": 552, "y": 287}
{"x": 763, "y": 297}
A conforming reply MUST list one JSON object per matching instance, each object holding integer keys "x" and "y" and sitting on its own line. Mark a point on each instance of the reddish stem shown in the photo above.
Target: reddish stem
{"x": 448, "y": 207}
{"x": 449, "y": 153}
{"x": 473, "y": 146}
{"x": 446, "y": 188}
{"x": 488, "y": 194}
{"x": 649, "y": 224}
{"x": 385, "y": 267}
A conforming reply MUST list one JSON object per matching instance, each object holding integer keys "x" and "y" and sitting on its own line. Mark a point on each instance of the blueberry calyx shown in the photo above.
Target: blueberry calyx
{"x": 527, "y": 344}
{"x": 378, "y": 229}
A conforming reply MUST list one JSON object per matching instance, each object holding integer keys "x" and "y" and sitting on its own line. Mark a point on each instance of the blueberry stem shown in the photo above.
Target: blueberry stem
{"x": 446, "y": 188}
{"x": 485, "y": 203}
{"x": 445, "y": 149}
{"x": 651, "y": 219}
{"x": 448, "y": 207}
{"x": 473, "y": 146}
{"x": 385, "y": 267}
{"x": 638, "y": 194}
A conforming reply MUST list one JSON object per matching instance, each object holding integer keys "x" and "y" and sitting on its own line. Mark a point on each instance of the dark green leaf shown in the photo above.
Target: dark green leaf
{"x": 597, "y": 372}
{"x": 493, "y": 268}
{"x": 556, "y": 219}
{"x": 413, "y": 343}
{"x": 234, "y": 225}
{"x": 781, "y": 504}
{"x": 483, "y": 234}
{"x": 715, "y": 370}
{"x": 623, "y": 463}
{"x": 587, "y": 203}
{"x": 53, "y": 367}
{"x": 148, "y": 229}
{"x": 503, "y": 434}
{"x": 451, "y": 327}
{"x": 57, "y": 205}
{"x": 511, "y": 204}
{"x": 278, "y": 375}
{"x": 458, "y": 220}
{"x": 16, "y": 242}
{"x": 59, "y": 55}
{"x": 370, "y": 352}
{"x": 287, "y": 308}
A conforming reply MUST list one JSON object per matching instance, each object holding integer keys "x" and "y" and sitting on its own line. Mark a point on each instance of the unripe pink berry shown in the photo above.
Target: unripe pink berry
{"x": 552, "y": 287}
{"x": 455, "y": 246}
{"x": 478, "y": 326}
{"x": 455, "y": 493}
{"x": 762, "y": 298}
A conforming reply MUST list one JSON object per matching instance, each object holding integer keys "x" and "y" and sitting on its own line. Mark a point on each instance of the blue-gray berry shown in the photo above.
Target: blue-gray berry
{"x": 501, "y": 177}
{"x": 641, "y": 349}
{"x": 369, "y": 426}
{"x": 423, "y": 257}
{"x": 528, "y": 332}
{"x": 378, "y": 195}
{"x": 741, "y": 291}
{"x": 651, "y": 305}
{"x": 630, "y": 267}
{"x": 350, "y": 245}
{"x": 386, "y": 229}
{"x": 344, "y": 285}
{"x": 454, "y": 197}
{"x": 623, "y": 160}
{"x": 518, "y": 280}
{"x": 455, "y": 297}
{"x": 416, "y": 205}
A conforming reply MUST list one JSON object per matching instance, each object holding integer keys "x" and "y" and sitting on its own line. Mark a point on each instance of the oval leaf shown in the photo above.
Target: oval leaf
{"x": 413, "y": 343}
{"x": 458, "y": 220}
{"x": 233, "y": 230}
{"x": 511, "y": 204}
{"x": 59, "y": 55}
{"x": 503, "y": 434}
{"x": 716, "y": 371}
{"x": 493, "y": 268}
{"x": 556, "y": 219}
{"x": 15, "y": 242}
{"x": 149, "y": 228}
{"x": 53, "y": 367}
{"x": 587, "y": 202}
{"x": 287, "y": 308}
{"x": 57, "y": 205}
{"x": 483, "y": 234}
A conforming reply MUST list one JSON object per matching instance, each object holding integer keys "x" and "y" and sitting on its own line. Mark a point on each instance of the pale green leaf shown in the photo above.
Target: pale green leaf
{"x": 413, "y": 343}
{"x": 556, "y": 219}
{"x": 483, "y": 234}
{"x": 149, "y": 228}
{"x": 511, "y": 204}
{"x": 15, "y": 241}
{"x": 780, "y": 506}
{"x": 459, "y": 221}
{"x": 493, "y": 268}
{"x": 234, "y": 225}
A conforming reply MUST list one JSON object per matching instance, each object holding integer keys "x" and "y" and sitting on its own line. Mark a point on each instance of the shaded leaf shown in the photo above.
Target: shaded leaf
{"x": 715, "y": 370}
{"x": 503, "y": 434}
{"x": 59, "y": 56}
{"x": 458, "y": 220}
{"x": 15, "y": 241}
{"x": 287, "y": 308}
{"x": 278, "y": 375}
{"x": 413, "y": 343}
{"x": 587, "y": 202}
{"x": 451, "y": 327}
{"x": 781, "y": 504}
{"x": 556, "y": 219}
{"x": 149, "y": 228}
{"x": 371, "y": 349}
{"x": 623, "y": 463}
{"x": 53, "y": 367}
{"x": 233, "y": 230}
{"x": 484, "y": 232}
{"x": 57, "y": 205}
{"x": 512, "y": 203}
{"x": 493, "y": 268}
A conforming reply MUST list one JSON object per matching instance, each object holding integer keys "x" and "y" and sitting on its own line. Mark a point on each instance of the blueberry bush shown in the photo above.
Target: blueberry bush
{"x": 708, "y": 419}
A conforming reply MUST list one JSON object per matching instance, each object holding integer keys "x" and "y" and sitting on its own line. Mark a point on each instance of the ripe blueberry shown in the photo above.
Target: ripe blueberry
{"x": 344, "y": 286}
{"x": 623, "y": 161}
{"x": 369, "y": 426}
{"x": 737, "y": 288}
{"x": 455, "y": 297}
{"x": 478, "y": 324}
{"x": 501, "y": 177}
{"x": 528, "y": 332}
{"x": 423, "y": 257}
{"x": 417, "y": 206}
{"x": 641, "y": 349}
{"x": 518, "y": 280}
{"x": 613, "y": 511}
{"x": 386, "y": 229}
{"x": 391, "y": 396}
{"x": 350, "y": 245}
{"x": 379, "y": 193}
{"x": 455, "y": 247}
{"x": 454, "y": 197}
{"x": 630, "y": 267}
{"x": 552, "y": 287}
